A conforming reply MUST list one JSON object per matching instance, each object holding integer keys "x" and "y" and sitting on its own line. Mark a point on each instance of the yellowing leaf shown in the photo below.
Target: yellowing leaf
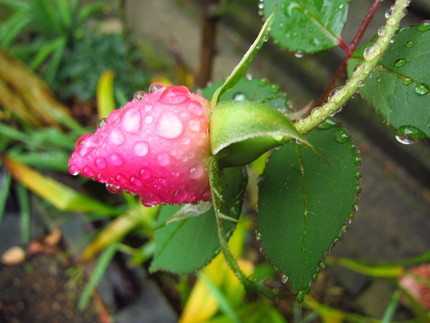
{"x": 58, "y": 194}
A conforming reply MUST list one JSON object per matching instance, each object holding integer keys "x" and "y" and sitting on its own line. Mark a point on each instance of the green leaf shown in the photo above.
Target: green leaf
{"x": 241, "y": 68}
{"x": 258, "y": 90}
{"x": 187, "y": 245}
{"x": 307, "y": 26}
{"x": 399, "y": 87}
{"x": 306, "y": 200}
{"x": 241, "y": 131}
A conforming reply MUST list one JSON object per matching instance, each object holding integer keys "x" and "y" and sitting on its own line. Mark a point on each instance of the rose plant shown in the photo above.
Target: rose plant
{"x": 171, "y": 146}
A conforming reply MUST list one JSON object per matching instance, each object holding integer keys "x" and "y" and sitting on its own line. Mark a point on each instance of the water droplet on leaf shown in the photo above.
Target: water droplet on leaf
{"x": 284, "y": 279}
{"x": 424, "y": 26}
{"x": 239, "y": 96}
{"x": 400, "y": 62}
{"x": 342, "y": 136}
{"x": 422, "y": 89}
{"x": 409, "y": 134}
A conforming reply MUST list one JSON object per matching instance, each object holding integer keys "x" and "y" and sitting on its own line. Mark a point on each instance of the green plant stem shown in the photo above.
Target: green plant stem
{"x": 215, "y": 178}
{"x": 342, "y": 94}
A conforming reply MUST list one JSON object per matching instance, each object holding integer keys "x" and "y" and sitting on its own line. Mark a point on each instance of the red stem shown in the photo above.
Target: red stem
{"x": 349, "y": 51}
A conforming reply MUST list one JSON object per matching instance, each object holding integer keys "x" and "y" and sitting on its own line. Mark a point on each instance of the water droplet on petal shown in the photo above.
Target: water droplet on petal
{"x": 87, "y": 171}
{"x": 100, "y": 162}
{"x": 163, "y": 159}
{"x": 148, "y": 119}
{"x": 101, "y": 123}
{"x": 145, "y": 174}
{"x": 195, "y": 125}
{"x": 116, "y": 137}
{"x": 73, "y": 170}
{"x": 196, "y": 109}
{"x": 169, "y": 126}
{"x": 115, "y": 159}
{"x": 131, "y": 120}
{"x": 140, "y": 148}
{"x": 121, "y": 179}
{"x": 135, "y": 181}
{"x": 196, "y": 172}
{"x": 175, "y": 95}
{"x": 114, "y": 189}
{"x": 139, "y": 95}
{"x": 155, "y": 86}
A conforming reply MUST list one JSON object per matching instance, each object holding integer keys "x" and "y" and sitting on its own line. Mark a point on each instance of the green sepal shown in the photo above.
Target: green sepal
{"x": 241, "y": 131}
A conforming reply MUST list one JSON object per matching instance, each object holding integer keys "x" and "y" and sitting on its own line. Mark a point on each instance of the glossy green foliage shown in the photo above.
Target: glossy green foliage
{"x": 240, "y": 69}
{"x": 306, "y": 200}
{"x": 257, "y": 90}
{"x": 399, "y": 88}
{"x": 189, "y": 244}
{"x": 241, "y": 131}
{"x": 307, "y": 26}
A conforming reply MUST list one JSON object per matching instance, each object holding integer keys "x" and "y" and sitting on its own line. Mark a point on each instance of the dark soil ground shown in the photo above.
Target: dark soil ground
{"x": 37, "y": 291}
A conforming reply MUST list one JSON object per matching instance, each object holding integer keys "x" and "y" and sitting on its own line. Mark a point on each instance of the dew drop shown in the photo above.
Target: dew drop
{"x": 342, "y": 136}
{"x": 195, "y": 109}
{"x": 131, "y": 120}
{"x": 424, "y": 26}
{"x": 114, "y": 189}
{"x": 400, "y": 62}
{"x": 409, "y": 43}
{"x": 284, "y": 279}
{"x": 87, "y": 171}
{"x": 257, "y": 235}
{"x": 116, "y": 137}
{"x": 148, "y": 204}
{"x": 196, "y": 172}
{"x": 100, "y": 162}
{"x": 140, "y": 148}
{"x": 422, "y": 89}
{"x": 186, "y": 140}
{"x": 301, "y": 296}
{"x": 135, "y": 181}
{"x": 154, "y": 87}
{"x": 408, "y": 135}
{"x": 314, "y": 276}
{"x": 195, "y": 125}
{"x": 148, "y": 119}
{"x": 381, "y": 31}
{"x": 115, "y": 159}
{"x": 145, "y": 174}
{"x": 174, "y": 95}
{"x": 163, "y": 159}
{"x": 298, "y": 54}
{"x": 329, "y": 123}
{"x": 73, "y": 170}
{"x": 169, "y": 126}
{"x": 369, "y": 53}
{"x": 121, "y": 179}
{"x": 139, "y": 95}
{"x": 239, "y": 96}
{"x": 101, "y": 123}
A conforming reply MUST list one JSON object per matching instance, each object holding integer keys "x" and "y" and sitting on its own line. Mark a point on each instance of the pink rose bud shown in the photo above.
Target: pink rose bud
{"x": 157, "y": 147}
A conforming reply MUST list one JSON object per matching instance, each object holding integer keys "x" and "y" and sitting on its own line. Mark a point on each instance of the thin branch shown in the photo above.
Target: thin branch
{"x": 350, "y": 50}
